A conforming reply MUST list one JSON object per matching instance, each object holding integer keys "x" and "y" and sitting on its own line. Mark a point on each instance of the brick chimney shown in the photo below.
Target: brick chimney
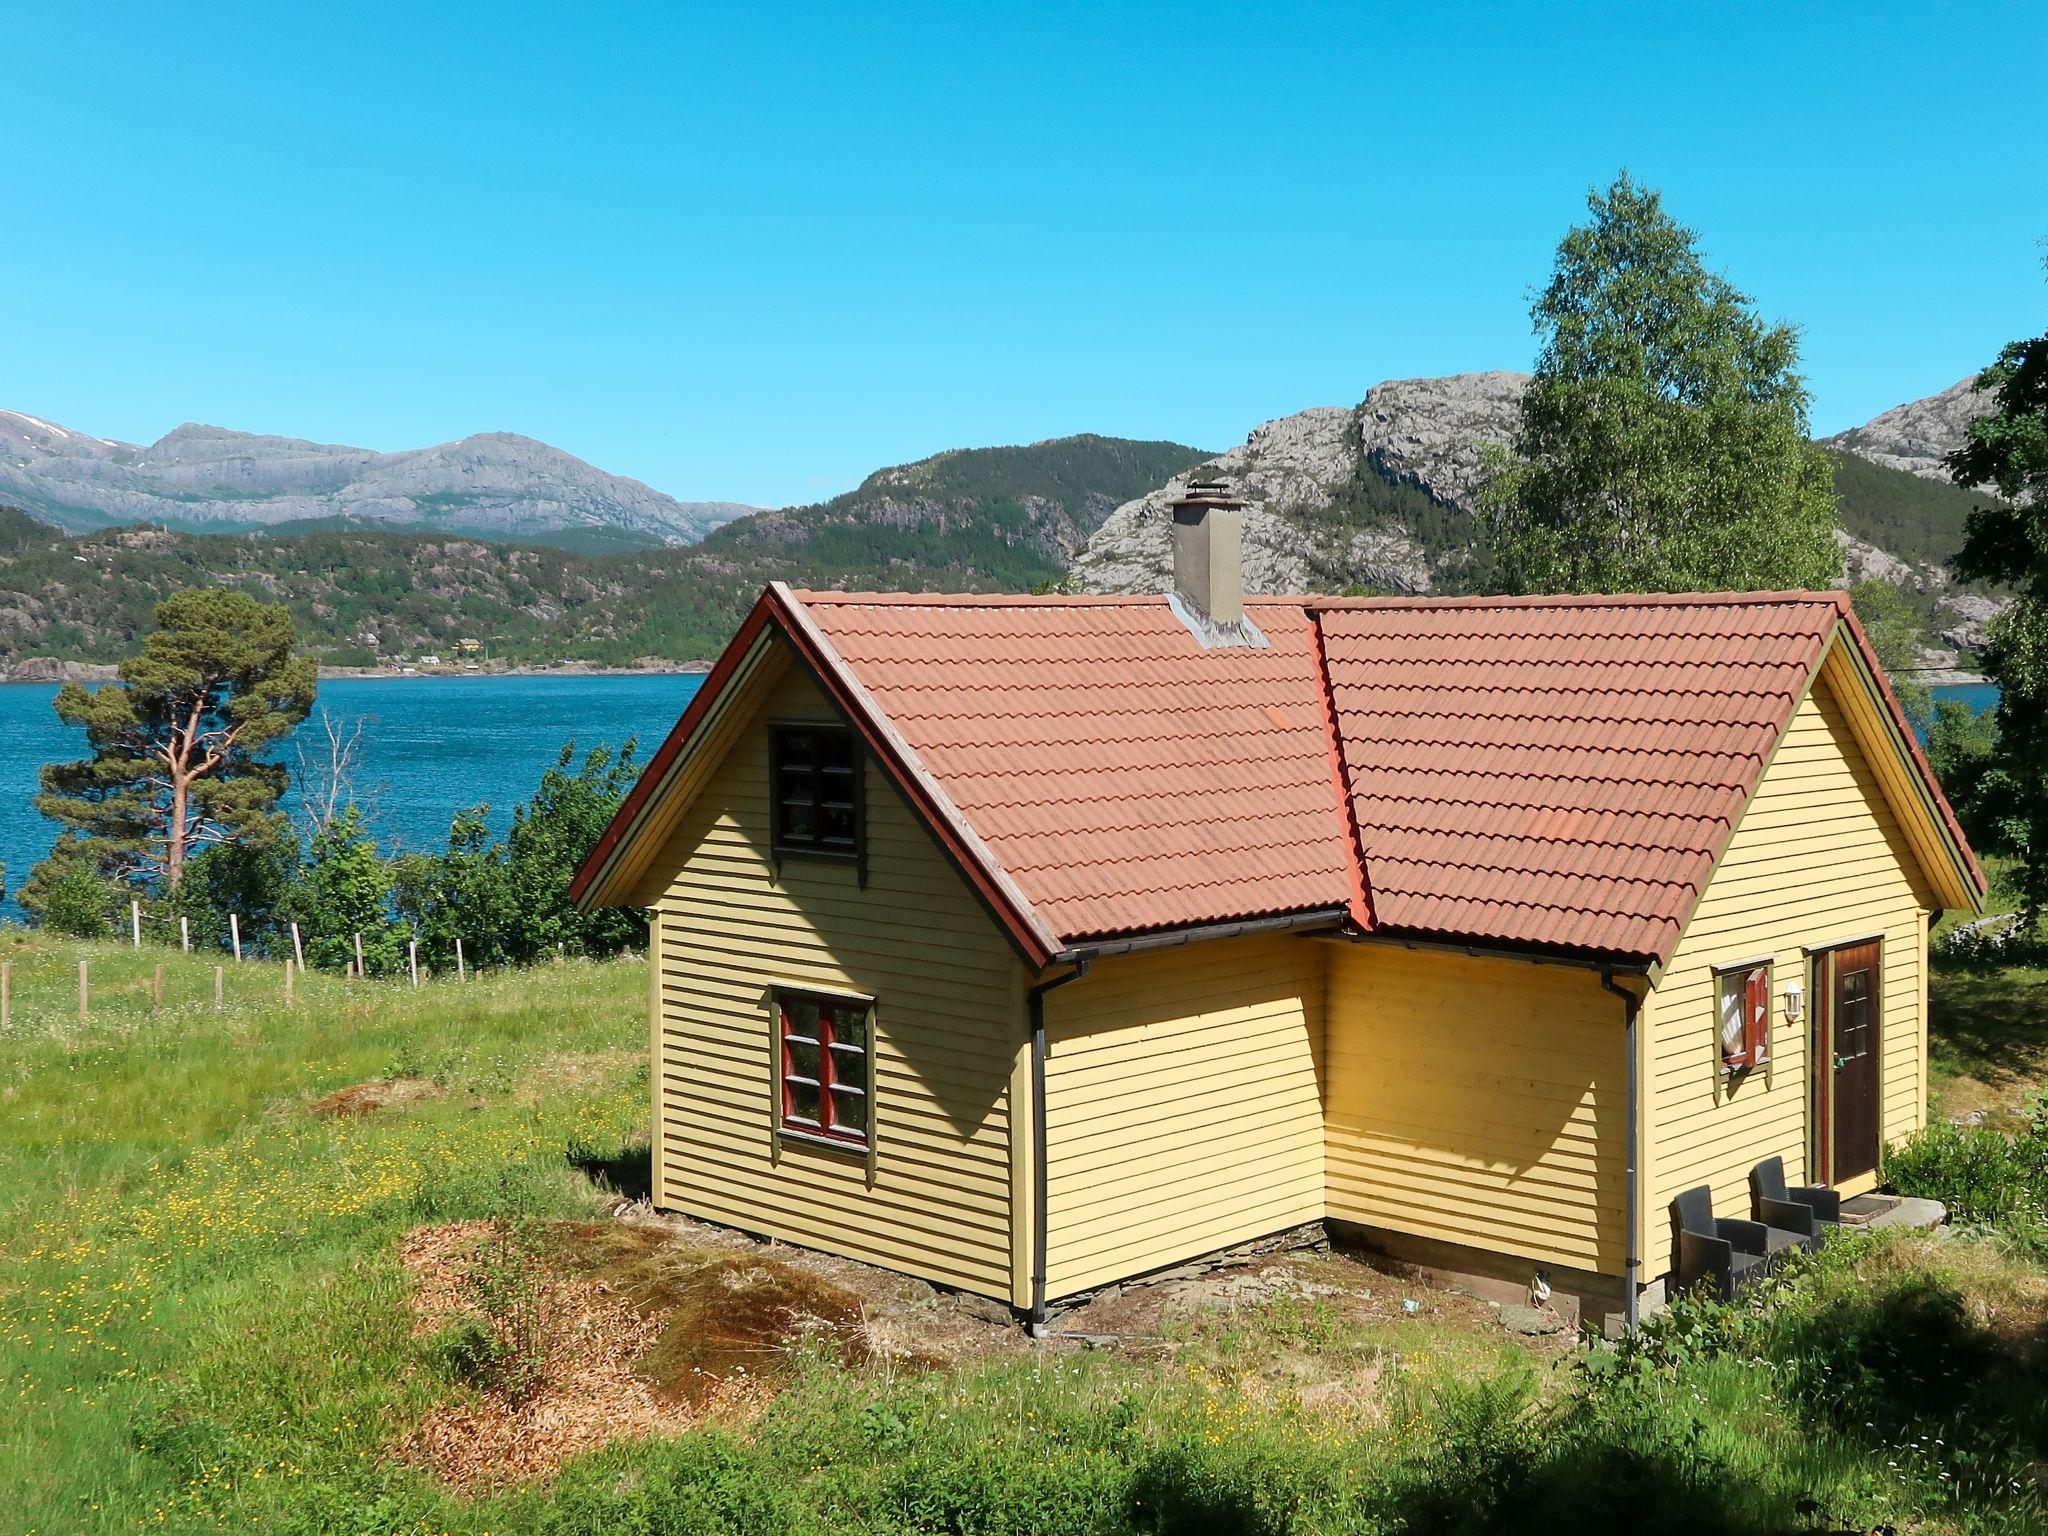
{"x": 1208, "y": 554}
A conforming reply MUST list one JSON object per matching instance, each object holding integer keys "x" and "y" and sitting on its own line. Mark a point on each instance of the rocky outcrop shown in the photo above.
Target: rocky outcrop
{"x": 1297, "y": 463}
{"x": 1918, "y": 436}
{"x": 1433, "y": 433}
{"x": 201, "y": 478}
{"x": 1313, "y": 526}
{"x": 1314, "y": 522}
{"x": 48, "y": 669}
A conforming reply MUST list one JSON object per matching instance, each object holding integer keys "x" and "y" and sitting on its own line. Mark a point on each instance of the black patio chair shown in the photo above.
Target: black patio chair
{"x": 1812, "y": 1211}
{"x": 1722, "y": 1249}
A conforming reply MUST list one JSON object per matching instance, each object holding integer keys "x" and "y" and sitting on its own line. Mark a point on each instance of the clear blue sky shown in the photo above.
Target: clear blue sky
{"x": 752, "y": 252}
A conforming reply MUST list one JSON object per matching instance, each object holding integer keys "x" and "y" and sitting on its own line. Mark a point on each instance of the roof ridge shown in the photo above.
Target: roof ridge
{"x": 1317, "y": 603}
{"x": 1832, "y": 598}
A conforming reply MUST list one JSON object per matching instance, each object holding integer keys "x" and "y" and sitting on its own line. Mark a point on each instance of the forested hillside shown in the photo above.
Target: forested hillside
{"x": 971, "y": 520}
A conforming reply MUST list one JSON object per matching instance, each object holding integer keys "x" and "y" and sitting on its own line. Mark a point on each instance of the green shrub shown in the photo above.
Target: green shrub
{"x": 1980, "y": 1174}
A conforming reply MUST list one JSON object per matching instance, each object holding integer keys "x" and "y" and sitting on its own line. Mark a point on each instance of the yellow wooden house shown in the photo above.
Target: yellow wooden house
{"x": 1029, "y": 945}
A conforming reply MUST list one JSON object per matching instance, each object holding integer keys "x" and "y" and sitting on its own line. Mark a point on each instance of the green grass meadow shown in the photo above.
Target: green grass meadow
{"x": 204, "y": 1326}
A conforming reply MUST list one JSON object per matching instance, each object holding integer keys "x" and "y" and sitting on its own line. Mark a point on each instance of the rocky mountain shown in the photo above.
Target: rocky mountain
{"x": 990, "y": 519}
{"x": 1382, "y": 497}
{"x": 1917, "y": 436}
{"x": 207, "y": 479}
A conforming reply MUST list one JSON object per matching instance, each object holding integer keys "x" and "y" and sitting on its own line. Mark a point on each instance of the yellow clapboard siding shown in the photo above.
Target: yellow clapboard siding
{"x": 1214, "y": 1027}
{"x": 947, "y": 1027}
{"x": 1817, "y": 858}
{"x": 1476, "y": 1101}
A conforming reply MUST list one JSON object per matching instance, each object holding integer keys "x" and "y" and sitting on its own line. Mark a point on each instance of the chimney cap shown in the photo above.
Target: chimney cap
{"x": 1209, "y": 493}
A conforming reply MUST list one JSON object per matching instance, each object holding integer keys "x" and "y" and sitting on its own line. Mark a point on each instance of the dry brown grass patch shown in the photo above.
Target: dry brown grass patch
{"x": 378, "y": 1093}
{"x": 573, "y": 1334}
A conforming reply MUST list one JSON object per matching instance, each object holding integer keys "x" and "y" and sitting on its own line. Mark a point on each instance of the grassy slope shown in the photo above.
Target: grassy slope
{"x": 203, "y": 1323}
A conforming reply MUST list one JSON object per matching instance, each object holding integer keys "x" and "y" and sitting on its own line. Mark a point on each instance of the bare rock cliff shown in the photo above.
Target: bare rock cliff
{"x": 1919, "y": 435}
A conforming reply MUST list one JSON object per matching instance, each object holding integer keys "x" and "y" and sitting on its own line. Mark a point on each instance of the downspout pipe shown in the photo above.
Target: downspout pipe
{"x": 1034, "y": 1322}
{"x": 1632, "y": 1262}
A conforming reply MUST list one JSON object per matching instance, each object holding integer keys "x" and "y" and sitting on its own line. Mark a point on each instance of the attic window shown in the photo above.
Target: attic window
{"x": 826, "y": 1078}
{"x": 1744, "y": 996}
{"x": 816, "y": 781}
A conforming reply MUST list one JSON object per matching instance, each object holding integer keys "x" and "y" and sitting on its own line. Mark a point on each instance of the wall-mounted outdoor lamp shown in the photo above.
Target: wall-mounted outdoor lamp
{"x": 1795, "y": 1000}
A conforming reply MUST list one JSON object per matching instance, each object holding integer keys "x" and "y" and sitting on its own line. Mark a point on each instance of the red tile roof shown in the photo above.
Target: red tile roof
{"x": 1124, "y": 777}
{"x": 1547, "y": 774}
{"x": 1559, "y": 773}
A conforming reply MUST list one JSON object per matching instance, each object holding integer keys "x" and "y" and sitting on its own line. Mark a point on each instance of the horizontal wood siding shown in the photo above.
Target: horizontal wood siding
{"x": 1182, "y": 1105}
{"x": 1818, "y": 857}
{"x": 1477, "y": 1102}
{"x": 948, "y": 1028}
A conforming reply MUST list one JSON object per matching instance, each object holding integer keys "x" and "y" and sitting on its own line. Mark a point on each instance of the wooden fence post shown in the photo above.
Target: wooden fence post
{"x": 6, "y": 981}
{"x": 218, "y": 972}
{"x": 460, "y": 973}
{"x": 135, "y": 921}
{"x": 185, "y": 934}
{"x": 82, "y": 991}
{"x": 298, "y": 952}
{"x": 360, "y": 972}
{"x": 412, "y": 957}
{"x": 235, "y": 934}
{"x": 157, "y": 993}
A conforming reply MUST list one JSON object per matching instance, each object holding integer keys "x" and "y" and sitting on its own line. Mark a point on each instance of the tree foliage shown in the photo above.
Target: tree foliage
{"x": 2007, "y": 543}
{"x": 1895, "y": 630}
{"x": 1663, "y": 444}
{"x": 175, "y": 763}
{"x": 1962, "y": 748}
{"x": 342, "y": 889}
{"x": 509, "y": 902}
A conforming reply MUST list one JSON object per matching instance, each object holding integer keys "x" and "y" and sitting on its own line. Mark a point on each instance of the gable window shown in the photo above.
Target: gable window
{"x": 1745, "y": 1019}
{"x": 825, "y": 1066}
{"x": 816, "y": 773}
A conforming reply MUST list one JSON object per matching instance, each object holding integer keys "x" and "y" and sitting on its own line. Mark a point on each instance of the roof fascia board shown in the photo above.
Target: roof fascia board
{"x": 1034, "y": 939}
{"x": 597, "y": 882}
{"x": 1927, "y": 804}
{"x": 1627, "y": 965}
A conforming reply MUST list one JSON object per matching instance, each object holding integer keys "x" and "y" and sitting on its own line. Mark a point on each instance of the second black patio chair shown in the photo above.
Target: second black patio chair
{"x": 1723, "y": 1250}
{"x": 1811, "y": 1210}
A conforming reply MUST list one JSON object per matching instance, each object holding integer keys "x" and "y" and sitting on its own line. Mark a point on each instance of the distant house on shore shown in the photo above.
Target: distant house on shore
{"x": 1032, "y": 944}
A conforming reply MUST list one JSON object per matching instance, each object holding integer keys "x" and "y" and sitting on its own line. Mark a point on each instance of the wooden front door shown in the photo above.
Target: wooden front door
{"x": 1847, "y": 1021}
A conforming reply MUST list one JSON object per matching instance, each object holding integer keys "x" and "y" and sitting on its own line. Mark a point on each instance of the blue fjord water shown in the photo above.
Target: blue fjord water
{"x": 433, "y": 746}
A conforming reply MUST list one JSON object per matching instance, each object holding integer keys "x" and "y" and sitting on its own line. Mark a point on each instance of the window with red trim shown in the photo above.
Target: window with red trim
{"x": 824, "y": 1057}
{"x": 1745, "y": 1002}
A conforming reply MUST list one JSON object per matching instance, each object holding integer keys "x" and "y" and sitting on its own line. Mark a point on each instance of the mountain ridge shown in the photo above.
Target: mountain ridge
{"x": 203, "y": 478}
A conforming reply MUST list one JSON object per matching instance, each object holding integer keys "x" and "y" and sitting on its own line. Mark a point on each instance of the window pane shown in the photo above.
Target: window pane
{"x": 838, "y": 824}
{"x": 796, "y": 751}
{"x": 800, "y": 1017}
{"x": 802, "y": 1058}
{"x": 803, "y": 1101}
{"x": 799, "y": 820}
{"x": 849, "y": 1111}
{"x": 850, "y": 1027}
{"x": 836, "y": 753}
{"x": 1731, "y": 1015}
